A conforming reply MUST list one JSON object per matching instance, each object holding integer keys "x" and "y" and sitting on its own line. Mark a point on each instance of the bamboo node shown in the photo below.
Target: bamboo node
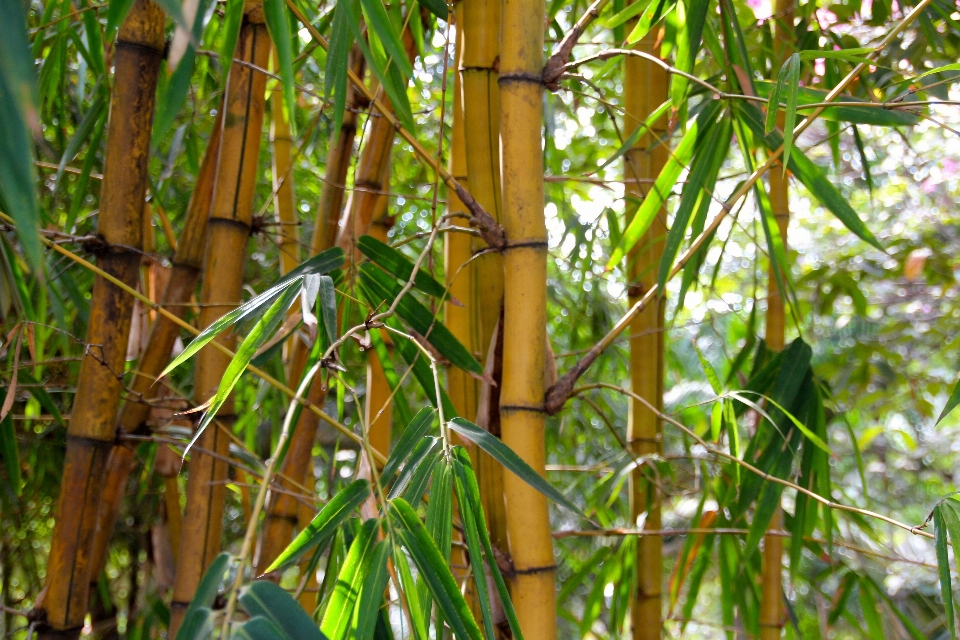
{"x": 636, "y": 290}
{"x": 535, "y": 570}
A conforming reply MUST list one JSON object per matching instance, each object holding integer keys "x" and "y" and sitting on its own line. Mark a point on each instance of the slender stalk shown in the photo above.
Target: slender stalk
{"x": 91, "y": 430}
{"x": 284, "y": 511}
{"x": 481, "y": 106}
{"x": 283, "y": 187}
{"x": 645, "y": 88}
{"x": 522, "y": 411}
{"x": 771, "y": 578}
{"x": 184, "y": 274}
{"x": 229, "y": 231}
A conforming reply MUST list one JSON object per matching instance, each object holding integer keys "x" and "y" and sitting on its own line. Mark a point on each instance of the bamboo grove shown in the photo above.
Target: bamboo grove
{"x": 479, "y": 319}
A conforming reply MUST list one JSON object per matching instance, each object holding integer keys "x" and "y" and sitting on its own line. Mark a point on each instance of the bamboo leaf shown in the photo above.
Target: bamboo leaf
{"x": 952, "y": 403}
{"x": 379, "y": 22}
{"x": 10, "y": 454}
{"x": 174, "y": 9}
{"x": 623, "y": 16}
{"x": 434, "y": 571}
{"x": 328, "y": 307}
{"x": 18, "y": 113}
{"x": 436, "y": 7}
{"x": 419, "y": 477}
{"x": 342, "y": 34}
{"x": 790, "y": 117}
{"x": 384, "y": 288}
{"x": 511, "y": 461}
{"x": 91, "y": 119}
{"x": 654, "y": 12}
{"x": 278, "y": 24}
{"x": 409, "y": 590}
{"x": 339, "y": 613}
{"x": 472, "y": 536}
{"x": 411, "y": 437}
{"x": 197, "y": 624}
{"x": 424, "y": 448}
{"x": 203, "y": 599}
{"x": 947, "y": 67}
{"x": 398, "y": 265}
{"x": 943, "y": 566}
{"x": 258, "y": 628}
{"x": 263, "y": 598}
{"x": 867, "y": 114}
{"x": 116, "y": 12}
{"x": 232, "y": 19}
{"x": 365, "y": 613}
{"x": 324, "y": 524}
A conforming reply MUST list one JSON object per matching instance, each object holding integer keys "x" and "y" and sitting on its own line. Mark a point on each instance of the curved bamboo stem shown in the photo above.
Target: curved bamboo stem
{"x": 91, "y": 430}
{"x": 229, "y": 231}
{"x": 522, "y": 412}
{"x": 645, "y": 88}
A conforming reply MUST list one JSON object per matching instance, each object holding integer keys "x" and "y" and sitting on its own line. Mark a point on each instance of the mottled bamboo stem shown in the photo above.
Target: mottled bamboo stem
{"x": 228, "y": 233}
{"x": 522, "y": 412}
{"x": 90, "y": 434}
{"x": 645, "y": 88}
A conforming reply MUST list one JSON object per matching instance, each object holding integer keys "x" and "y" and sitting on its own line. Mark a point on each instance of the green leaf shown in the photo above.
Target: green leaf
{"x": 943, "y": 566}
{"x": 434, "y": 571}
{"x": 339, "y": 613}
{"x": 631, "y": 141}
{"x": 436, "y": 7}
{"x": 868, "y": 605}
{"x": 867, "y": 114}
{"x": 623, "y": 16}
{"x": 411, "y": 437}
{"x": 511, "y": 461}
{"x": 263, "y": 598}
{"x": 96, "y": 112}
{"x": 952, "y": 402}
{"x": 708, "y": 370}
{"x": 398, "y": 265}
{"x": 321, "y": 263}
{"x": 378, "y": 20}
{"x": 203, "y": 599}
{"x": 116, "y": 13}
{"x": 342, "y": 34}
{"x": 409, "y": 590}
{"x": 947, "y": 67}
{"x": 790, "y": 117}
{"x": 688, "y": 44}
{"x": 654, "y": 12}
{"x": 365, "y": 613}
{"x": 258, "y": 628}
{"x": 232, "y": 19}
{"x": 383, "y": 288}
{"x": 10, "y": 454}
{"x": 328, "y": 307}
{"x": 18, "y": 110}
{"x": 197, "y": 624}
{"x": 174, "y": 9}
{"x": 324, "y": 524}
{"x": 278, "y": 25}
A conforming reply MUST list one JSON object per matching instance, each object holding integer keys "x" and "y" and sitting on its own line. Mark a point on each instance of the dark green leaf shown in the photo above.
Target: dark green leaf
{"x": 411, "y": 437}
{"x": 10, "y": 453}
{"x": 203, "y": 599}
{"x": 258, "y": 628}
{"x": 263, "y": 598}
{"x": 943, "y": 566}
{"x": 328, "y": 307}
{"x": 398, "y": 265}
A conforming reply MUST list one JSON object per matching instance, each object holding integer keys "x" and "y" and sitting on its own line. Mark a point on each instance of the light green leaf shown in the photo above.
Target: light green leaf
{"x": 258, "y": 628}
{"x": 278, "y": 24}
{"x": 943, "y": 566}
{"x": 952, "y": 403}
{"x": 339, "y": 613}
{"x": 643, "y": 128}
{"x": 367, "y": 609}
{"x": 654, "y": 12}
{"x": 324, "y": 524}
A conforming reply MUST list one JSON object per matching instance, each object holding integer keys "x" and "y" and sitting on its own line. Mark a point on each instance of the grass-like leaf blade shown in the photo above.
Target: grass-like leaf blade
{"x": 263, "y": 598}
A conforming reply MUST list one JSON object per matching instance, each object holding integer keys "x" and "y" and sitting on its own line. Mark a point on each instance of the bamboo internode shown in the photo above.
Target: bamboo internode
{"x": 91, "y": 431}
{"x": 522, "y": 412}
{"x": 645, "y": 89}
{"x": 229, "y": 230}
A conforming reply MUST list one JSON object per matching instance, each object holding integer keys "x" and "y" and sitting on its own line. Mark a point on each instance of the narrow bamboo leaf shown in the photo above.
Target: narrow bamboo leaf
{"x": 465, "y": 475}
{"x": 324, "y": 524}
{"x": 322, "y": 263}
{"x": 400, "y": 406}
{"x": 947, "y": 67}
{"x": 643, "y": 128}
{"x": 258, "y": 628}
{"x": 421, "y": 371}
{"x": 790, "y": 116}
{"x": 439, "y": 519}
{"x": 776, "y": 96}
{"x": 197, "y": 624}
{"x": 174, "y": 9}
{"x": 10, "y": 453}
{"x": 261, "y": 332}
{"x": 379, "y": 22}
{"x": 853, "y": 55}
{"x": 700, "y": 183}
{"x": 419, "y": 478}
{"x": 398, "y": 265}
{"x": 708, "y": 370}
{"x": 434, "y": 571}
{"x": 384, "y": 288}
{"x": 232, "y": 19}
{"x": 116, "y": 12}
{"x": 813, "y": 179}
{"x": 868, "y": 605}
{"x": 263, "y": 598}
{"x": 338, "y": 54}
{"x": 623, "y": 16}
{"x": 409, "y": 593}
{"x": 688, "y": 45}
{"x": 952, "y": 403}
{"x": 412, "y": 435}
{"x": 423, "y": 449}
{"x": 18, "y": 93}
{"x": 203, "y": 599}
{"x": 867, "y": 114}
{"x": 943, "y": 566}
{"x": 328, "y": 307}
{"x": 654, "y": 12}
{"x": 662, "y": 187}
{"x": 365, "y": 613}
{"x": 278, "y": 24}
{"x": 470, "y": 533}
{"x": 339, "y": 613}
{"x": 95, "y": 113}
{"x": 436, "y": 7}
{"x": 511, "y": 461}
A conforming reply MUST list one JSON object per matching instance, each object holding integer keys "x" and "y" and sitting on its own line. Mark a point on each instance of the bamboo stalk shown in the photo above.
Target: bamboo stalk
{"x": 283, "y": 510}
{"x": 284, "y": 203}
{"x": 228, "y": 233}
{"x": 645, "y": 89}
{"x": 771, "y": 576}
{"x": 481, "y": 114}
{"x": 91, "y": 430}
{"x": 184, "y": 274}
{"x": 522, "y": 412}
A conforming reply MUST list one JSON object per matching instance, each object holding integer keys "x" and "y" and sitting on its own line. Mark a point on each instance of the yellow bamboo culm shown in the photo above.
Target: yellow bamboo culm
{"x": 645, "y": 89}
{"x": 283, "y": 510}
{"x": 184, "y": 273}
{"x": 228, "y": 233}
{"x": 481, "y": 114}
{"x": 522, "y": 412}
{"x": 90, "y": 434}
{"x": 771, "y": 577}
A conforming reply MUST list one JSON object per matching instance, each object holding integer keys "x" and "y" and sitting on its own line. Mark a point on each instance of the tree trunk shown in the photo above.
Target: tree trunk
{"x": 771, "y": 579}
{"x": 522, "y": 411}
{"x": 91, "y": 433}
{"x": 229, "y": 231}
{"x": 645, "y": 89}
{"x": 184, "y": 274}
